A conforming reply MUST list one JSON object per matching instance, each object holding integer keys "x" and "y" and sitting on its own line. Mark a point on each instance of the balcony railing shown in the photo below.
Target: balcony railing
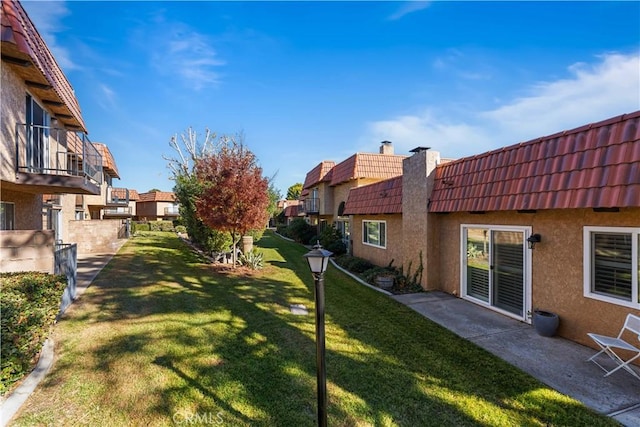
{"x": 172, "y": 211}
{"x": 47, "y": 150}
{"x": 117, "y": 196}
{"x": 311, "y": 205}
{"x": 119, "y": 212}
{"x": 52, "y": 199}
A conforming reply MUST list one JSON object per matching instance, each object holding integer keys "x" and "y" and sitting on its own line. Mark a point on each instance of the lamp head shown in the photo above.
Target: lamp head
{"x": 318, "y": 259}
{"x": 533, "y": 239}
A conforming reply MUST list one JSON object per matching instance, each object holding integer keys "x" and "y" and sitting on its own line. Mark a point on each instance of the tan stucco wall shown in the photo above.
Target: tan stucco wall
{"x": 12, "y": 103}
{"x": 557, "y": 264}
{"x": 419, "y": 236}
{"x": 28, "y": 209}
{"x": 379, "y": 256}
{"x": 95, "y": 236}
{"x": 26, "y": 250}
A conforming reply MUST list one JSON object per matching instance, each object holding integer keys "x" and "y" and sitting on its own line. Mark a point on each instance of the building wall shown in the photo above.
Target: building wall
{"x": 419, "y": 235}
{"x": 13, "y": 110}
{"x": 326, "y": 196}
{"x": 26, "y": 250}
{"x": 379, "y": 256}
{"x": 28, "y": 209}
{"x": 96, "y": 236}
{"x": 557, "y": 264}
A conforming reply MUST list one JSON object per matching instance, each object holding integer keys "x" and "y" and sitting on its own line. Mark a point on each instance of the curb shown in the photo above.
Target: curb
{"x": 10, "y": 406}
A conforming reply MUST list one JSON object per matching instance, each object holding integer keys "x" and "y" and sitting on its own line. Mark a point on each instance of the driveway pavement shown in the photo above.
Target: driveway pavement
{"x": 557, "y": 362}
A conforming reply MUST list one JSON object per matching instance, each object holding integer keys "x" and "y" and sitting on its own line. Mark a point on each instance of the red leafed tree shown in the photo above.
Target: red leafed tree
{"x": 235, "y": 194}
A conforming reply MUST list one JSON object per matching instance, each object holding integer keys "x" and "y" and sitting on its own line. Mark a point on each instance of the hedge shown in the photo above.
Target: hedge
{"x": 29, "y": 304}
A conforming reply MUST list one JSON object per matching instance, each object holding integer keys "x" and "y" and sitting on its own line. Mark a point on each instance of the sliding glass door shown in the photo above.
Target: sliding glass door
{"x": 495, "y": 263}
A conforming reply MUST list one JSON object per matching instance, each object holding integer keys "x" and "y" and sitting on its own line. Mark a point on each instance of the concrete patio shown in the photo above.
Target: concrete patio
{"x": 559, "y": 363}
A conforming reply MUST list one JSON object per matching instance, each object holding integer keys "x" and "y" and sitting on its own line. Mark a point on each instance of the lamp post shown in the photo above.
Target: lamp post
{"x": 318, "y": 260}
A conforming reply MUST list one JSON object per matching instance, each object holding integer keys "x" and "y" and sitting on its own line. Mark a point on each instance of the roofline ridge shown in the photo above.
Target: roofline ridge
{"x": 594, "y": 125}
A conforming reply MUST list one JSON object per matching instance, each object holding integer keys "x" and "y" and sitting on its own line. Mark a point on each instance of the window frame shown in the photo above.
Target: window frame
{"x": 588, "y": 257}
{"x": 3, "y": 222}
{"x": 364, "y": 233}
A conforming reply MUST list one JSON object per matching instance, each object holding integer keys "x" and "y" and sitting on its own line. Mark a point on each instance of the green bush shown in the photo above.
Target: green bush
{"x": 141, "y": 226}
{"x": 161, "y": 226}
{"x": 256, "y": 234}
{"x": 181, "y": 229}
{"x": 369, "y": 271}
{"x": 331, "y": 240}
{"x": 301, "y": 231}
{"x": 29, "y": 304}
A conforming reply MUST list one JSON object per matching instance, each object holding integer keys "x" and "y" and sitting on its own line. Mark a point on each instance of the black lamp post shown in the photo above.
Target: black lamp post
{"x": 318, "y": 260}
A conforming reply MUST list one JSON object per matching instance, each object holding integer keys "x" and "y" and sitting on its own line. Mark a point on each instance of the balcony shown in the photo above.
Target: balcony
{"x": 117, "y": 196}
{"x": 117, "y": 212}
{"x": 52, "y": 199}
{"x": 172, "y": 211}
{"x": 311, "y": 206}
{"x": 54, "y": 160}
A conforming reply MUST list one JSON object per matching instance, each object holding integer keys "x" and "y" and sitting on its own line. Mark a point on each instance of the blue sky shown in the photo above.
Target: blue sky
{"x": 312, "y": 81}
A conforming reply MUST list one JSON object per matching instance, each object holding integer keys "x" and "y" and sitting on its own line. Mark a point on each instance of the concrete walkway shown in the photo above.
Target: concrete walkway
{"x": 559, "y": 363}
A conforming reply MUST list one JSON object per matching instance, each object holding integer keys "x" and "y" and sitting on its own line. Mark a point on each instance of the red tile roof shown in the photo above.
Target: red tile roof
{"x": 157, "y": 196}
{"x": 367, "y": 165}
{"x": 108, "y": 162}
{"x": 593, "y": 166}
{"x": 121, "y": 193}
{"x": 292, "y": 210}
{"x": 21, "y": 40}
{"x": 384, "y": 197}
{"x": 321, "y": 173}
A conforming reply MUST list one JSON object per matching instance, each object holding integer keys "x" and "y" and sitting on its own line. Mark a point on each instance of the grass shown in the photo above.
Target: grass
{"x": 161, "y": 338}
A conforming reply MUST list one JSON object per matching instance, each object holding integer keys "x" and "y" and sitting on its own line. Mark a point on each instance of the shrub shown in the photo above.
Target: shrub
{"x": 181, "y": 229}
{"x": 301, "y": 231}
{"x": 253, "y": 259}
{"x": 217, "y": 241}
{"x": 161, "y": 226}
{"x": 29, "y": 304}
{"x": 256, "y": 234}
{"x": 141, "y": 226}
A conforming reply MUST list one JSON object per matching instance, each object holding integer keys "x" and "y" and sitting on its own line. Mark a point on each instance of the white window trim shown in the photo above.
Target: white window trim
{"x": 586, "y": 263}
{"x": 364, "y": 233}
{"x": 527, "y": 230}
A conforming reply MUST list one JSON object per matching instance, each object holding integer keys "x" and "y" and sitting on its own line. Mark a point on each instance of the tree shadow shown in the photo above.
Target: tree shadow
{"x": 233, "y": 346}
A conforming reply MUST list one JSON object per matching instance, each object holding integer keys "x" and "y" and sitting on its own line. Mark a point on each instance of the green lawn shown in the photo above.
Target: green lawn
{"x": 162, "y": 339}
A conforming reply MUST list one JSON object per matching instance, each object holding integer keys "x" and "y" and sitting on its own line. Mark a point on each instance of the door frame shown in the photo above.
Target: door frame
{"x": 526, "y": 268}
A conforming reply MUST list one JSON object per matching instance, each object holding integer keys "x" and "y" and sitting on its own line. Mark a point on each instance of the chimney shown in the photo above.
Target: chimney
{"x": 386, "y": 147}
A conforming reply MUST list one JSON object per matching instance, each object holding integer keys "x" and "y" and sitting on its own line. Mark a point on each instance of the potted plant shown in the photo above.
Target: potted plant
{"x": 385, "y": 281}
{"x": 545, "y": 322}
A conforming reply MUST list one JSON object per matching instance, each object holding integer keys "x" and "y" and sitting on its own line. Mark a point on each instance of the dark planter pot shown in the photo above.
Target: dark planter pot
{"x": 384, "y": 282}
{"x": 545, "y": 322}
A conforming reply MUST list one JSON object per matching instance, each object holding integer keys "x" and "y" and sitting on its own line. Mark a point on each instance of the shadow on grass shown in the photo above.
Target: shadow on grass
{"x": 213, "y": 343}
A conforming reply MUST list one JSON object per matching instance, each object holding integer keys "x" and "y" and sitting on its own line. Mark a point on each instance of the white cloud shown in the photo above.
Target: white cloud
{"x": 592, "y": 93}
{"x": 47, "y": 16}
{"x": 107, "y": 98}
{"x": 184, "y": 52}
{"x": 407, "y": 8}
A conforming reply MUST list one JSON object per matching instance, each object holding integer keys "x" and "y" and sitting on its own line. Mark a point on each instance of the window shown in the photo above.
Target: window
{"x": 611, "y": 265}
{"x": 38, "y": 122}
{"x": 374, "y": 233}
{"x": 7, "y": 216}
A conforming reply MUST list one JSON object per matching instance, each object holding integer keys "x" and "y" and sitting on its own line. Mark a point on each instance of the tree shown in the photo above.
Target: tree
{"x": 187, "y": 189}
{"x": 293, "y": 193}
{"x": 274, "y": 197}
{"x": 234, "y": 196}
